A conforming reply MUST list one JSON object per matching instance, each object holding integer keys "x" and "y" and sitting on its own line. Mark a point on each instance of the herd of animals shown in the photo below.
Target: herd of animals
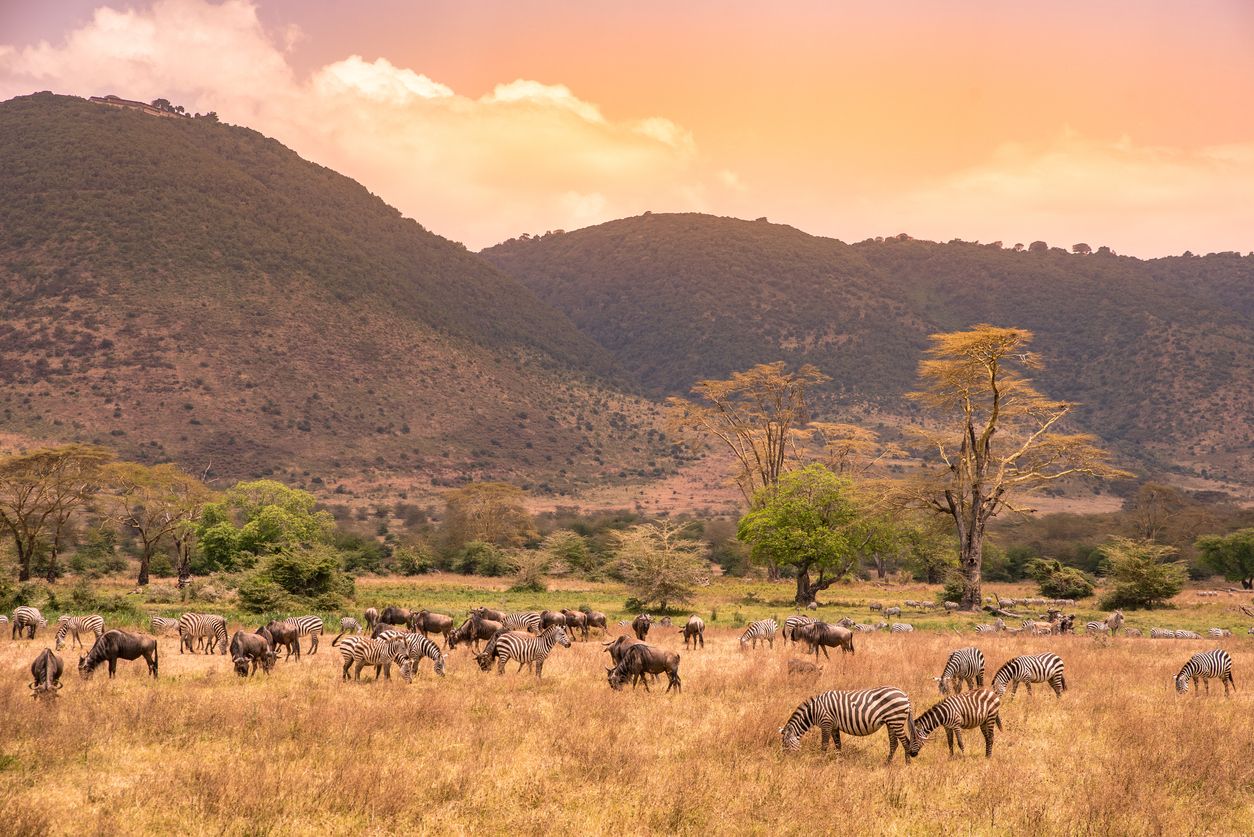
{"x": 402, "y": 637}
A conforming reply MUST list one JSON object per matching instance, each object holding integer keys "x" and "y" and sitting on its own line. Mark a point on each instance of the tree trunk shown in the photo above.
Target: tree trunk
{"x": 23, "y": 561}
{"x": 878, "y": 560}
{"x": 773, "y": 573}
{"x": 807, "y": 590}
{"x": 144, "y": 558}
{"x": 970, "y": 560}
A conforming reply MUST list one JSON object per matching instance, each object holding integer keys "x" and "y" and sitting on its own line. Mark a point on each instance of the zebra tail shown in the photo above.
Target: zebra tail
{"x": 997, "y": 720}
{"x": 337, "y": 638}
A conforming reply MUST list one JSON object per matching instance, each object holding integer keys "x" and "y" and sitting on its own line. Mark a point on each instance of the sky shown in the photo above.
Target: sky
{"x": 1124, "y": 123}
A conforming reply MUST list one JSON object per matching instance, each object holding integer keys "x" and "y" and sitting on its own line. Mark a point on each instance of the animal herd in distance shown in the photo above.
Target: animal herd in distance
{"x": 400, "y": 637}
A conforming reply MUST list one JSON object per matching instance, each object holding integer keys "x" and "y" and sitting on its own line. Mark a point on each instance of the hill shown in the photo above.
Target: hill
{"x": 1160, "y": 353}
{"x": 179, "y": 288}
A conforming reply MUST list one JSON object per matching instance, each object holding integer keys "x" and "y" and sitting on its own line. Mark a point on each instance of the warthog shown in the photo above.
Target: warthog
{"x": 576, "y": 620}
{"x": 281, "y": 633}
{"x": 489, "y": 614}
{"x": 642, "y": 659}
{"x": 426, "y": 622}
{"x": 45, "y": 675}
{"x": 820, "y": 635}
{"x": 393, "y": 615}
{"x": 694, "y": 630}
{"x": 474, "y": 630}
{"x": 640, "y": 626}
{"x": 248, "y": 651}
{"x": 115, "y": 645}
{"x": 804, "y": 667}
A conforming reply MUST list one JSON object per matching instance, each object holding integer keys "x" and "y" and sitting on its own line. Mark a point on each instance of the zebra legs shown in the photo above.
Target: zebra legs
{"x": 949, "y": 737}
{"x": 313, "y": 643}
{"x": 987, "y": 729}
{"x": 539, "y": 668}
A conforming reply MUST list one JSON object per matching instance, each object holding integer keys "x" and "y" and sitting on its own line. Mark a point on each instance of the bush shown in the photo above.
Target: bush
{"x": 261, "y": 595}
{"x": 161, "y": 566}
{"x": 479, "y": 558}
{"x": 1142, "y": 575}
{"x": 14, "y": 595}
{"x": 413, "y": 560}
{"x": 98, "y": 555}
{"x": 161, "y": 594}
{"x": 953, "y": 588}
{"x": 307, "y": 571}
{"x": 360, "y": 555}
{"x": 1060, "y": 582}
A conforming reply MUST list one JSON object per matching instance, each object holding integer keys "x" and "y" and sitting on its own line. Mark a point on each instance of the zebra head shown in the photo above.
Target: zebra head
{"x": 559, "y": 636}
{"x": 1182, "y": 683}
{"x": 407, "y": 669}
{"x": 943, "y": 684}
{"x": 790, "y": 738}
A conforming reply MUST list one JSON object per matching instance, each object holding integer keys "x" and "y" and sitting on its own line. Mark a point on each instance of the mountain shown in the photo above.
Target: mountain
{"x": 183, "y": 289}
{"x": 1160, "y": 353}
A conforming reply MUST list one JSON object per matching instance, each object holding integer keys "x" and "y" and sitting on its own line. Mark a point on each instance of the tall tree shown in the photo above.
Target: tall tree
{"x": 660, "y": 563}
{"x": 753, "y": 415}
{"x": 1232, "y": 556}
{"x": 491, "y": 512}
{"x": 993, "y": 438}
{"x": 158, "y": 503}
{"x": 39, "y": 490}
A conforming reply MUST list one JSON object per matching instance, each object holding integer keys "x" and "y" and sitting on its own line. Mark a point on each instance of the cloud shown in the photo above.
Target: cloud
{"x": 526, "y": 157}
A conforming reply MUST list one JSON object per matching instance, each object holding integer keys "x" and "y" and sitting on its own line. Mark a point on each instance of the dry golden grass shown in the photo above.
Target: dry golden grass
{"x": 299, "y": 752}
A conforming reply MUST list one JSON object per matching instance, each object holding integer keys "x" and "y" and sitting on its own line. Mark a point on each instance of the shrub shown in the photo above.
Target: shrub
{"x": 258, "y": 594}
{"x": 1060, "y": 582}
{"x": 953, "y": 588}
{"x": 161, "y": 594}
{"x": 413, "y": 560}
{"x": 1142, "y": 574}
{"x": 161, "y": 566}
{"x": 479, "y": 558}
{"x": 98, "y": 555}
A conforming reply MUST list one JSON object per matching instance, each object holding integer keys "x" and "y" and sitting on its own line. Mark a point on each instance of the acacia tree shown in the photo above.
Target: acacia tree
{"x": 660, "y": 563}
{"x": 40, "y": 490}
{"x": 1232, "y": 556}
{"x": 159, "y": 503}
{"x": 491, "y": 512}
{"x": 753, "y": 414}
{"x": 994, "y": 437}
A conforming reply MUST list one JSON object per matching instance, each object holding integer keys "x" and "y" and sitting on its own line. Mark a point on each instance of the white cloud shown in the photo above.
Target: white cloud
{"x": 526, "y": 157}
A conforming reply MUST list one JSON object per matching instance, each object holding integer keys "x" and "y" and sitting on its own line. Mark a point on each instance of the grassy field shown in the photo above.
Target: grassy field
{"x": 200, "y": 751}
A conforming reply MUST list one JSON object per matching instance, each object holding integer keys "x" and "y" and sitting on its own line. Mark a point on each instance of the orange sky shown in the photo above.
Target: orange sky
{"x": 1129, "y": 124}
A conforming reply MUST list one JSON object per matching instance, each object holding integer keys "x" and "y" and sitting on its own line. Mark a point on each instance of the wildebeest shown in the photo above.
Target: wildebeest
{"x": 474, "y": 630}
{"x": 393, "y": 615}
{"x": 45, "y": 675}
{"x": 618, "y": 647}
{"x": 248, "y": 651}
{"x": 426, "y": 622}
{"x": 640, "y": 626}
{"x": 576, "y": 620}
{"x": 489, "y": 614}
{"x": 641, "y": 659}
{"x": 820, "y": 635}
{"x": 115, "y": 645}
{"x": 694, "y": 630}
{"x": 596, "y": 619}
{"x": 281, "y": 633}
{"x": 549, "y": 618}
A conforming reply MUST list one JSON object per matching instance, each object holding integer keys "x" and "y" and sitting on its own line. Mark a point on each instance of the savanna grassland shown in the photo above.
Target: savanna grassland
{"x": 200, "y": 751}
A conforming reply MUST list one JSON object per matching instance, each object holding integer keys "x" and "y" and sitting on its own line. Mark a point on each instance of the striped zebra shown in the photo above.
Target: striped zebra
{"x": 763, "y": 629}
{"x": 1187, "y": 635}
{"x": 4, "y": 620}
{"x": 207, "y": 625}
{"x": 901, "y": 628}
{"x": 996, "y": 626}
{"x": 1108, "y": 625}
{"x": 419, "y": 646}
{"x": 1132, "y": 632}
{"x": 1162, "y": 633}
{"x": 310, "y": 626}
{"x": 161, "y": 625}
{"x": 524, "y": 648}
{"x": 1038, "y": 668}
{"x": 1218, "y": 633}
{"x": 28, "y": 620}
{"x": 1203, "y": 666}
{"x": 965, "y": 664}
{"x": 530, "y": 622}
{"x": 978, "y": 708}
{"x": 348, "y": 625}
{"x": 860, "y": 712}
{"x": 866, "y": 629}
{"x": 74, "y": 624}
{"x": 792, "y": 623}
{"x": 363, "y": 651}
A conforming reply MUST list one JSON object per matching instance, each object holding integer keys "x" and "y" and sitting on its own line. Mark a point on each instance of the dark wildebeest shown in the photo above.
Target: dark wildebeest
{"x": 549, "y": 618}
{"x": 640, "y": 625}
{"x": 248, "y": 651}
{"x": 694, "y": 630}
{"x": 427, "y": 622}
{"x": 489, "y": 614}
{"x": 577, "y": 620}
{"x": 281, "y": 633}
{"x": 393, "y": 615}
{"x": 46, "y": 675}
{"x": 115, "y": 645}
{"x": 596, "y": 619}
{"x": 473, "y": 631}
{"x": 642, "y": 659}
{"x": 820, "y": 635}
{"x": 618, "y": 647}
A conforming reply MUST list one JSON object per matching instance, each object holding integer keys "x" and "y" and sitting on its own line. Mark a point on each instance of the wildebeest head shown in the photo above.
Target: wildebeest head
{"x": 85, "y": 671}
{"x": 615, "y": 679}
{"x": 241, "y": 665}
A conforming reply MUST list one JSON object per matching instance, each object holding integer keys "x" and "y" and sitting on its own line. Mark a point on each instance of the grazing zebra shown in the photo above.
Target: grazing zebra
{"x": 363, "y": 651}
{"x": 75, "y": 624}
{"x": 418, "y": 647}
{"x": 792, "y": 623}
{"x": 1108, "y": 625}
{"x": 1204, "y": 666}
{"x": 524, "y": 648}
{"x": 860, "y": 712}
{"x": 1219, "y": 633}
{"x": 997, "y": 625}
{"x": 866, "y": 629}
{"x": 347, "y": 625}
{"x": 965, "y": 664}
{"x": 763, "y": 629}
{"x": 26, "y": 620}
{"x": 1132, "y": 632}
{"x": 529, "y": 622}
{"x": 1187, "y": 635}
{"x": 977, "y": 708}
{"x": 208, "y": 625}
{"x": 161, "y": 625}
{"x": 1039, "y": 668}
{"x": 1162, "y": 633}
{"x": 901, "y": 628}
{"x": 310, "y": 626}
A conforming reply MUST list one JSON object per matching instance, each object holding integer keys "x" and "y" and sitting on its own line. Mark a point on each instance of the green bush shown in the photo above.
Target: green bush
{"x": 1142, "y": 574}
{"x": 479, "y": 558}
{"x": 98, "y": 555}
{"x": 413, "y": 560}
{"x": 258, "y": 594}
{"x": 953, "y": 588}
{"x": 161, "y": 566}
{"x": 1058, "y": 581}
{"x": 307, "y": 572}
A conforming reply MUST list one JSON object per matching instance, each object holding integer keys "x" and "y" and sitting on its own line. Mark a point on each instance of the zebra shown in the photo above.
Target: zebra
{"x": 1039, "y": 668}
{"x": 364, "y": 651}
{"x": 526, "y": 649}
{"x": 866, "y": 629}
{"x": 892, "y": 611}
{"x": 74, "y": 624}
{"x": 901, "y": 628}
{"x": 996, "y": 626}
{"x": 418, "y": 647}
{"x": 1132, "y": 632}
{"x": 307, "y": 625}
{"x": 977, "y": 708}
{"x": 860, "y": 712}
{"x": 206, "y": 625}
{"x": 1108, "y": 625}
{"x": 792, "y": 623}
{"x": 1162, "y": 633}
{"x": 1218, "y": 633}
{"x": 161, "y": 625}
{"x": 1204, "y": 666}
{"x": 4, "y": 620}
{"x": 1187, "y": 635}
{"x": 763, "y": 629}
{"x": 26, "y": 619}
{"x": 371, "y": 616}
{"x": 965, "y": 664}
{"x": 529, "y": 622}
{"x": 347, "y": 625}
